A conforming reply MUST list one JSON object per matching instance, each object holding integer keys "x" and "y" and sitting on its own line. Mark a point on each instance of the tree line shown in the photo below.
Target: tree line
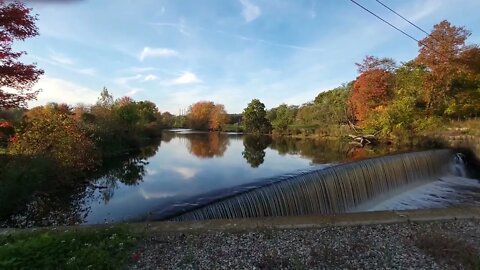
{"x": 440, "y": 84}
{"x": 393, "y": 100}
{"x": 386, "y": 98}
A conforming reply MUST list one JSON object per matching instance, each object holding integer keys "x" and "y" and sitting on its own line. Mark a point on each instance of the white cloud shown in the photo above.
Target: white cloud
{"x": 157, "y": 52}
{"x": 124, "y": 80}
{"x": 186, "y": 78}
{"x": 155, "y": 195}
{"x": 86, "y": 71}
{"x": 422, "y": 10}
{"x": 138, "y": 69}
{"x": 132, "y": 91}
{"x": 186, "y": 173}
{"x": 65, "y": 63}
{"x": 250, "y": 11}
{"x": 61, "y": 59}
{"x": 150, "y": 77}
{"x": 62, "y": 91}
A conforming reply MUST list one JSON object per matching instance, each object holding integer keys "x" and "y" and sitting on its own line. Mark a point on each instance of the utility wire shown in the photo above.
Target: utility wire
{"x": 393, "y": 26}
{"x": 407, "y": 20}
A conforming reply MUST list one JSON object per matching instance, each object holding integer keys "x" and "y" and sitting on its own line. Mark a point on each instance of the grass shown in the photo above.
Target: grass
{"x": 102, "y": 248}
{"x": 233, "y": 128}
{"x": 448, "y": 250}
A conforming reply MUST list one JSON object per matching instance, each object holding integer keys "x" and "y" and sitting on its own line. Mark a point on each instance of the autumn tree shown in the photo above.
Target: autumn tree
{"x": 218, "y": 117}
{"x": 6, "y": 132}
{"x": 406, "y": 108}
{"x": 206, "y": 115}
{"x": 16, "y": 79}
{"x": 373, "y": 87}
{"x": 440, "y": 52}
{"x": 254, "y": 118}
{"x": 55, "y": 134}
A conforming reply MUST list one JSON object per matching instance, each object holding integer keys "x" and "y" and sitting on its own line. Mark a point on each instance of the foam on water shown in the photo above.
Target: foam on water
{"x": 446, "y": 191}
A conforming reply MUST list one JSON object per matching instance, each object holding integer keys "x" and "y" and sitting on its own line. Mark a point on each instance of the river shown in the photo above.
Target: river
{"x": 184, "y": 164}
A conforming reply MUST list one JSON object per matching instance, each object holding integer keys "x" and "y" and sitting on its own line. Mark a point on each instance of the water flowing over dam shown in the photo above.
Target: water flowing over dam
{"x": 334, "y": 189}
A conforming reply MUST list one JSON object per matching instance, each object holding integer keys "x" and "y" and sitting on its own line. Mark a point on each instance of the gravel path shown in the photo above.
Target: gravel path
{"x": 453, "y": 244}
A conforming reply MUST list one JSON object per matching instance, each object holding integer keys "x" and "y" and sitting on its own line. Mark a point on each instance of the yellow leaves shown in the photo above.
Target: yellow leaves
{"x": 205, "y": 115}
{"x": 58, "y": 136}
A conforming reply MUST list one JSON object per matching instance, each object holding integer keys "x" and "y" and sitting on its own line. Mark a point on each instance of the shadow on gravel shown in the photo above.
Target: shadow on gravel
{"x": 448, "y": 250}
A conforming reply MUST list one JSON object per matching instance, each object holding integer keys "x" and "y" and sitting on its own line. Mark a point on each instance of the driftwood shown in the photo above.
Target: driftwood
{"x": 362, "y": 140}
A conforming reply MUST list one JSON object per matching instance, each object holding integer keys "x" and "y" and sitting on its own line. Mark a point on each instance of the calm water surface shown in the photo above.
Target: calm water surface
{"x": 186, "y": 163}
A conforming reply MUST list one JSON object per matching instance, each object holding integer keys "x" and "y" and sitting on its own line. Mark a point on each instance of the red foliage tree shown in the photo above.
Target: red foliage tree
{"x": 16, "y": 78}
{"x": 372, "y": 88}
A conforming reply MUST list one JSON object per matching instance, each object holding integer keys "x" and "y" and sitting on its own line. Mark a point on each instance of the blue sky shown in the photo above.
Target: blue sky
{"x": 176, "y": 52}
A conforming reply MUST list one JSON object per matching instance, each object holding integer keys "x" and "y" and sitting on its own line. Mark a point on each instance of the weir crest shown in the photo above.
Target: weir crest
{"x": 330, "y": 190}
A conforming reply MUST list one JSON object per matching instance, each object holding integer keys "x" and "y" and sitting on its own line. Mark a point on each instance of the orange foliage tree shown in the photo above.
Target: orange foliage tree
{"x": 441, "y": 53}
{"x": 373, "y": 88}
{"x": 206, "y": 115}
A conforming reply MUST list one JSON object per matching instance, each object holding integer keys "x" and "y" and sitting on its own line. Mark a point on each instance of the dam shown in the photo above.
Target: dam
{"x": 380, "y": 183}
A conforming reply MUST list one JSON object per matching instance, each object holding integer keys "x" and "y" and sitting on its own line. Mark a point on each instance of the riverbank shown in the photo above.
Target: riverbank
{"x": 452, "y": 244}
{"x": 427, "y": 239}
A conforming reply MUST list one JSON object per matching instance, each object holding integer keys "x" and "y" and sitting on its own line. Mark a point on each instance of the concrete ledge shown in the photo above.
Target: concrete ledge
{"x": 298, "y": 222}
{"x": 347, "y": 219}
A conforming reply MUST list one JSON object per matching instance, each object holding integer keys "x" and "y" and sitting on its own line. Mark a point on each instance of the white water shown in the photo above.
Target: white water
{"x": 446, "y": 191}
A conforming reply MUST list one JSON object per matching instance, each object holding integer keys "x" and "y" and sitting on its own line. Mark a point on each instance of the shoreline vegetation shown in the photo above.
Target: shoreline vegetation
{"x": 437, "y": 92}
{"x": 48, "y": 154}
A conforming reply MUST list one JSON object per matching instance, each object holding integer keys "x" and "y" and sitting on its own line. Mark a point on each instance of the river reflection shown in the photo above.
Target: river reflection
{"x": 188, "y": 163}
{"x": 206, "y": 145}
{"x": 185, "y": 163}
{"x": 255, "y": 146}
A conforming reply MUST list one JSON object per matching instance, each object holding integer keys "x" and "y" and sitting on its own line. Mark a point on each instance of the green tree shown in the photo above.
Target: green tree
{"x": 168, "y": 120}
{"x": 405, "y": 113}
{"x": 254, "y": 118}
{"x": 126, "y": 112}
{"x": 147, "y": 112}
{"x": 284, "y": 116}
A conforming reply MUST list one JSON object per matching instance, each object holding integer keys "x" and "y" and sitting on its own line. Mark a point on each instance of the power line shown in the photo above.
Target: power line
{"x": 393, "y": 26}
{"x": 385, "y": 21}
{"x": 407, "y": 20}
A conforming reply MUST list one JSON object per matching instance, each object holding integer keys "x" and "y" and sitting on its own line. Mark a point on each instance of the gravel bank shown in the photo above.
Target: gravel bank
{"x": 452, "y": 244}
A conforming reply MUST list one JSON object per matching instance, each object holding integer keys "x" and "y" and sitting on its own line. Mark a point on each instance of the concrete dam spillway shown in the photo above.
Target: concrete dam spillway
{"x": 355, "y": 186}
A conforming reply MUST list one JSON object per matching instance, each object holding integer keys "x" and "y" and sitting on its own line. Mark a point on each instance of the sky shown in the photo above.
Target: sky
{"x": 177, "y": 52}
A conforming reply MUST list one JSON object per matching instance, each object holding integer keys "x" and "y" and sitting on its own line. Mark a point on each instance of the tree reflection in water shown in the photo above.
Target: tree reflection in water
{"x": 207, "y": 145}
{"x": 254, "y": 152}
{"x": 128, "y": 170}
